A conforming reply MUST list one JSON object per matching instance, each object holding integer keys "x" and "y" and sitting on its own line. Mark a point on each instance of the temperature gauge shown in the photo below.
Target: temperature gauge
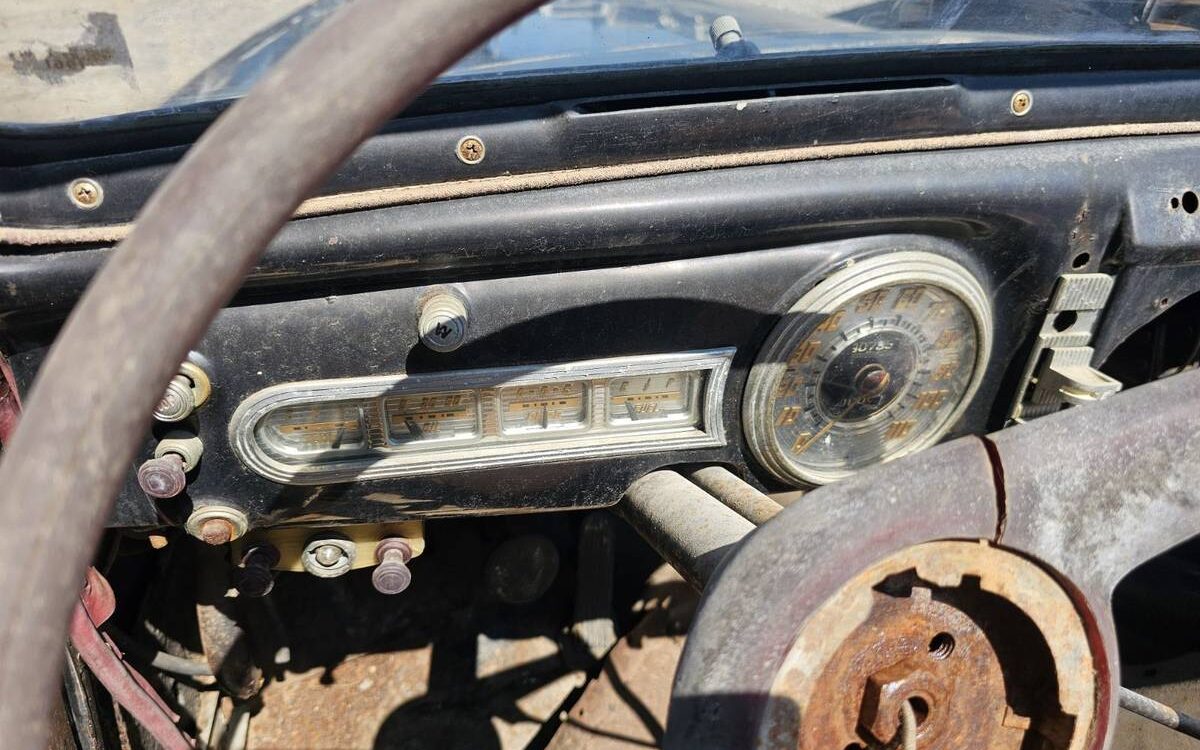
{"x": 313, "y": 428}
{"x": 432, "y": 416}
{"x": 648, "y": 399}
{"x": 543, "y": 408}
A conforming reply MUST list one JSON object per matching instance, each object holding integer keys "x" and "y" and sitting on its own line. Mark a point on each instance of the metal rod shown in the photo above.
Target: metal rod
{"x": 1148, "y": 708}
{"x": 194, "y": 242}
{"x": 691, "y": 529}
{"x": 740, "y": 496}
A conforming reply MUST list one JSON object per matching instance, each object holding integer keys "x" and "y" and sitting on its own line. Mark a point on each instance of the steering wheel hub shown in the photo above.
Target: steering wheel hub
{"x": 986, "y": 648}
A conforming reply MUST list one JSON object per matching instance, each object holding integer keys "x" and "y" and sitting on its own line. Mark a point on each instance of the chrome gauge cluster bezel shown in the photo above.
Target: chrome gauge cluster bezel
{"x": 597, "y": 436}
{"x": 851, "y": 281}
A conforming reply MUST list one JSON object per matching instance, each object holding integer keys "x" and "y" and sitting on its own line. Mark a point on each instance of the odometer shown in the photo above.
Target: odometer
{"x": 875, "y": 362}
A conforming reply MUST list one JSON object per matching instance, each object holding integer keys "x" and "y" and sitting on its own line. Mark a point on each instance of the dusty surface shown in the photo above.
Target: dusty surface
{"x": 64, "y": 60}
{"x": 625, "y": 707}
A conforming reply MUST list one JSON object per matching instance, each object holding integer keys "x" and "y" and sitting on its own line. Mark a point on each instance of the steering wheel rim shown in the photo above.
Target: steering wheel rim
{"x": 194, "y": 242}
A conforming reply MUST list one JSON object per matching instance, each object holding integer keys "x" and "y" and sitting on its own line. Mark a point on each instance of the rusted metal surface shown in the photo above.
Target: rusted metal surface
{"x": 742, "y": 497}
{"x": 985, "y": 646}
{"x": 690, "y": 528}
{"x": 1089, "y": 493}
{"x": 194, "y": 242}
{"x": 128, "y": 688}
{"x": 793, "y": 564}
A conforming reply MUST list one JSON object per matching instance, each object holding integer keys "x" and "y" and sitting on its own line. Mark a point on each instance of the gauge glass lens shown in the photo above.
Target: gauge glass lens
{"x": 313, "y": 428}
{"x": 546, "y": 407}
{"x": 881, "y": 371}
{"x": 430, "y": 417}
{"x": 654, "y": 399}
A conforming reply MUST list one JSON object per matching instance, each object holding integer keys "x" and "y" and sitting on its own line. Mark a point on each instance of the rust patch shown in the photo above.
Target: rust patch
{"x": 984, "y": 645}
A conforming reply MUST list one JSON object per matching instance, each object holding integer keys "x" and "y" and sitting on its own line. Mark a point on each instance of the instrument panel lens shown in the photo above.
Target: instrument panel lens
{"x": 430, "y": 417}
{"x": 654, "y": 399}
{"x": 545, "y": 407}
{"x": 313, "y": 428}
{"x": 874, "y": 377}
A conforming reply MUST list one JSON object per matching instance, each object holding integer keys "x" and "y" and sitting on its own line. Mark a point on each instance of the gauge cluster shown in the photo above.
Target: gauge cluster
{"x": 372, "y": 428}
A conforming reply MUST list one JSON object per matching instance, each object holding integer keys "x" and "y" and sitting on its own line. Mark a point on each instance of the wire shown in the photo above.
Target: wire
{"x": 159, "y": 660}
{"x": 1161, "y": 713}
{"x": 908, "y": 725}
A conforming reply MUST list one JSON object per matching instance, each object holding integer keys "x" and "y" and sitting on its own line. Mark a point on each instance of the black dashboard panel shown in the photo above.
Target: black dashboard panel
{"x": 672, "y": 262}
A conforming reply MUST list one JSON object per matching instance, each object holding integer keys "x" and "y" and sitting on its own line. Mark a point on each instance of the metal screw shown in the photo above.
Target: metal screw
{"x": 470, "y": 149}
{"x": 255, "y": 578}
{"x": 328, "y": 555}
{"x": 86, "y": 194}
{"x": 392, "y": 575}
{"x": 1021, "y": 102}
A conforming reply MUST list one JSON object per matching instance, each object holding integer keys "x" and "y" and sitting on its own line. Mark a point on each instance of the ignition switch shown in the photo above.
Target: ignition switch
{"x": 165, "y": 475}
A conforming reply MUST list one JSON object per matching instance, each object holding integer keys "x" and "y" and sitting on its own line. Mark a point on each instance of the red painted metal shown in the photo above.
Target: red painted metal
{"x": 126, "y": 685}
{"x": 10, "y": 401}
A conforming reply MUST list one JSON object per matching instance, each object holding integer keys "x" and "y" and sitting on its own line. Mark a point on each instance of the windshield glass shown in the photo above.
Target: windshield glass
{"x": 66, "y": 60}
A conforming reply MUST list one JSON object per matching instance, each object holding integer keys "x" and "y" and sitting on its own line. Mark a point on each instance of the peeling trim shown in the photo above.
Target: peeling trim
{"x": 409, "y": 194}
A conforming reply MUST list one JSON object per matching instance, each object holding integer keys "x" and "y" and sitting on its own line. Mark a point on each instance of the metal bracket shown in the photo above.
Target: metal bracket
{"x": 1059, "y": 372}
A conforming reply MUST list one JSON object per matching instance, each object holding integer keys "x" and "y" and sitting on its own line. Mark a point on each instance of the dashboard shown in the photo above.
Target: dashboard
{"x": 504, "y": 346}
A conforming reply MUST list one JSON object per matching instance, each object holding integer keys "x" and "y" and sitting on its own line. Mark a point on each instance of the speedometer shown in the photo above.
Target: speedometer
{"x": 875, "y": 362}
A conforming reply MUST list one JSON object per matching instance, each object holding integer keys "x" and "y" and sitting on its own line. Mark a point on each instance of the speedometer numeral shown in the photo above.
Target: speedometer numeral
{"x": 948, "y": 338}
{"x": 871, "y": 301}
{"x": 945, "y": 371}
{"x": 801, "y": 442}
{"x": 789, "y": 385}
{"x": 908, "y": 298}
{"x": 898, "y": 430}
{"x": 788, "y": 415}
{"x": 804, "y": 353}
{"x": 831, "y": 322}
{"x": 927, "y": 400}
